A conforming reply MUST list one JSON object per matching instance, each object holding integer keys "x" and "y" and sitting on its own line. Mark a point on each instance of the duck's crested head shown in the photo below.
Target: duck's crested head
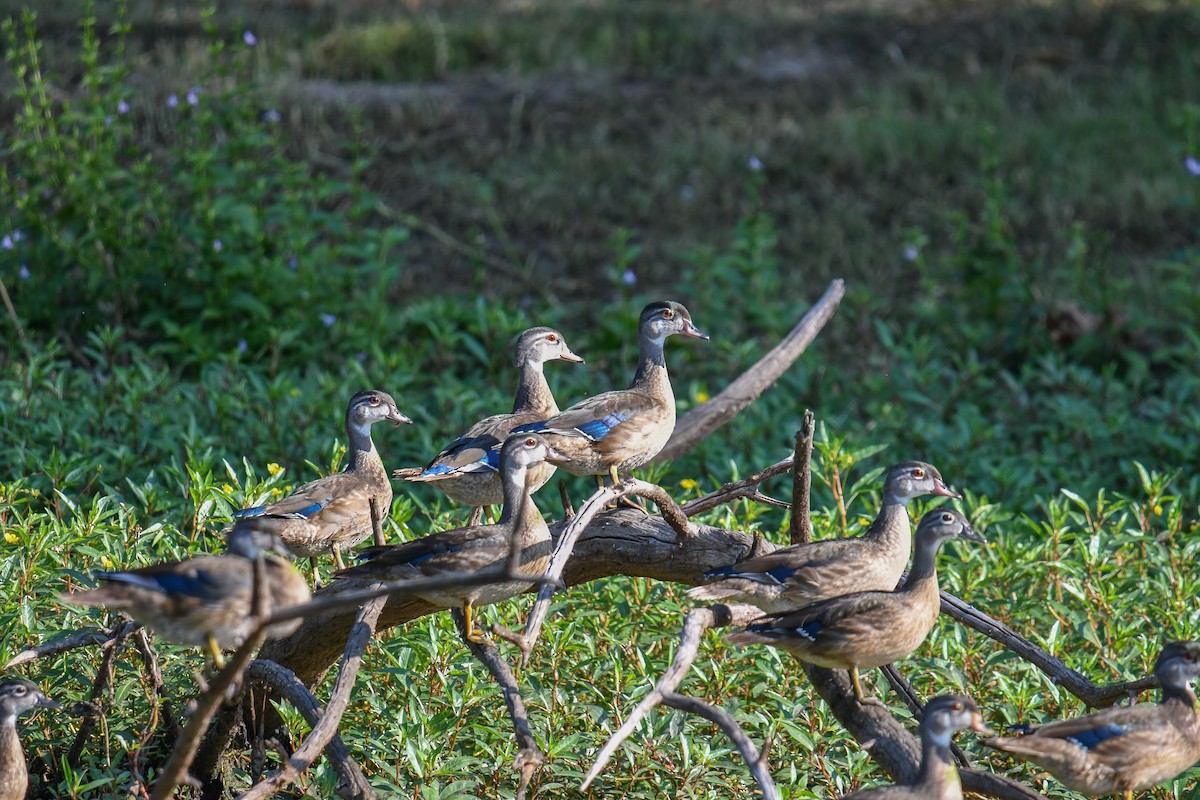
{"x": 666, "y": 317}
{"x": 539, "y": 345}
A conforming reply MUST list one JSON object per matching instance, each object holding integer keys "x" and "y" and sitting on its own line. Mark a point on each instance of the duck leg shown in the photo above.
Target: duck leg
{"x": 337, "y": 557}
{"x": 316, "y": 578}
{"x": 214, "y": 650}
{"x": 862, "y": 699}
{"x": 624, "y": 501}
{"x": 471, "y": 632}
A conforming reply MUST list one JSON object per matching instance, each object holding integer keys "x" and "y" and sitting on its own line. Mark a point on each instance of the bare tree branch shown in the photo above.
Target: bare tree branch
{"x": 352, "y": 783}
{"x": 726, "y": 721}
{"x": 735, "y": 490}
{"x": 800, "y": 529}
{"x": 530, "y": 756}
{"x": 73, "y": 641}
{"x": 694, "y": 426}
{"x": 697, "y": 621}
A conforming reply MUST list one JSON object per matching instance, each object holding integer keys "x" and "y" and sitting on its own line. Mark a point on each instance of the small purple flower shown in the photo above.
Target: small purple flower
{"x": 249, "y": 38}
{"x": 242, "y": 346}
{"x": 1192, "y": 165}
{"x": 108, "y": 118}
{"x": 293, "y": 263}
{"x": 17, "y": 236}
{"x": 271, "y": 115}
{"x": 122, "y": 107}
{"x": 7, "y": 243}
{"x": 193, "y": 96}
{"x": 754, "y": 164}
{"x": 328, "y": 319}
{"x": 629, "y": 278}
{"x": 173, "y": 100}
{"x": 362, "y": 355}
{"x": 218, "y": 245}
{"x": 23, "y": 273}
{"x": 911, "y": 252}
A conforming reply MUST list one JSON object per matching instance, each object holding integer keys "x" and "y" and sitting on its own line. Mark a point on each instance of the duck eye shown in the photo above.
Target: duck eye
{"x": 918, "y": 472}
{"x": 551, "y": 337}
{"x": 947, "y": 518}
{"x": 531, "y": 442}
{"x": 374, "y": 399}
{"x": 668, "y": 313}
{"x": 19, "y": 690}
{"x": 956, "y": 706}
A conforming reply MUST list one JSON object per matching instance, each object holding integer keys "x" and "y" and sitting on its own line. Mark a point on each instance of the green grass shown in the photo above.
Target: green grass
{"x": 1038, "y": 343}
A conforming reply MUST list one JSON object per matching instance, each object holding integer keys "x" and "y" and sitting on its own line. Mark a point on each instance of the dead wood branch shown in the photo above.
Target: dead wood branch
{"x": 697, "y": 621}
{"x": 103, "y": 676}
{"x": 566, "y": 545}
{"x": 530, "y": 756}
{"x": 326, "y": 728}
{"x": 74, "y": 641}
{"x": 699, "y": 423}
{"x": 352, "y": 783}
{"x": 800, "y": 529}
{"x": 735, "y": 490}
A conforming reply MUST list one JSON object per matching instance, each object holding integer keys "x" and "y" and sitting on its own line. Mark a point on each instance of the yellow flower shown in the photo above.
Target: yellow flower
{"x": 227, "y": 489}
{"x": 701, "y": 396}
{"x": 276, "y": 492}
{"x": 295, "y": 392}
{"x": 106, "y": 562}
{"x": 688, "y": 483}
{"x": 1158, "y": 509}
{"x": 274, "y": 469}
{"x": 11, "y": 537}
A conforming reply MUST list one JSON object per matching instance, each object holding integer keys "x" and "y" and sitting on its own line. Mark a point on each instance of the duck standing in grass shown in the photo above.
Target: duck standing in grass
{"x": 16, "y": 697}
{"x": 803, "y": 574}
{"x": 333, "y": 513}
{"x": 623, "y": 429}
{"x": 865, "y": 630}
{"x": 206, "y": 600}
{"x": 467, "y": 469}
{"x": 1119, "y": 751}
{"x": 475, "y": 547}
{"x": 938, "y": 779}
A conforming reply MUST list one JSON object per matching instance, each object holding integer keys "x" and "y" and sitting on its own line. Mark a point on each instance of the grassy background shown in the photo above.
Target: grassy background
{"x": 1003, "y": 187}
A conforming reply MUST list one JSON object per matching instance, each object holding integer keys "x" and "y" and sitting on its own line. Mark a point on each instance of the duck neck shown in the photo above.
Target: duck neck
{"x": 533, "y": 393}
{"x": 1180, "y": 693}
{"x": 938, "y": 777}
{"x": 892, "y": 524}
{"x": 518, "y": 505}
{"x": 923, "y": 575}
{"x": 13, "y": 775}
{"x": 651, "y": 376}
{"x": 363, "y": 459}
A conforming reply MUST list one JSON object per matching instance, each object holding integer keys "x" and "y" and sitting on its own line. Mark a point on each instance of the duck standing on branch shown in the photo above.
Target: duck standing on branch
{"x": 16, "y": 697}
{"x": 1119, "y": 751}
{"x": 623, "y": 429}
{"x": 803, "y": 574}
{"x": 938, "y": 779}
{"x": 206, "y": 600}
{"x": 467, "y": 469}
{"x": 334, "y": 513}
{"x": 475, "y": 547}
{"x": 865, "y": 630}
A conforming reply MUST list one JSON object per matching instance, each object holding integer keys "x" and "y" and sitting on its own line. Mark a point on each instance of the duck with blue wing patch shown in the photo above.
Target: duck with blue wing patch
{"x": 622, "y": 430}
{"x": 205, "y": 600}
{"x": 865, "y": 630}
{"x": 467, "y": 469}
{"x": 1118, "y": 751}
{"x": 802, "y": 574}
{"x": 475, "y": 547}
{"x": 333, "y": 513}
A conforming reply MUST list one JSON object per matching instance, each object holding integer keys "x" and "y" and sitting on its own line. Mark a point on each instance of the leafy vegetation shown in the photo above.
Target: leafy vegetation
{"x": 1018, "y": 236}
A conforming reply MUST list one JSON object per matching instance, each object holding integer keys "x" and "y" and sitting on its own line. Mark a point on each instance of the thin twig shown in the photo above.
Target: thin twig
{"x": 529, "y": 756}
{"x": 757, "y": 763}
{"x": 800, "y": 529}
{"x": 12, "y": 312}
{"x": 736, "y": 490}
{"x": 566, "y": 543}
{"x": 911, "y": 699}
{"x": 377, "y": 522}
{"x": 326, "y": 728}
{"x": 103, "y": 676}
{"x": 158, "y": 701}
{"x": 697, "y": 621}
{"x": 85, "y": 638}
{"x": 352, "y": 783}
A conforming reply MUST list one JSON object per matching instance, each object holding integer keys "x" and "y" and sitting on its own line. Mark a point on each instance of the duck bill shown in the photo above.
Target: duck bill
{"x": 567, "y": 355}
{"x": 691, "y": 330}
{"x": 980, "y": 727}
{"x": 554, "y": 455}
{"x": 395, "y": 416}
{"x": 46, "y": 702}
{"x": 971, "y": 536}
{"x": 940, "y": 488}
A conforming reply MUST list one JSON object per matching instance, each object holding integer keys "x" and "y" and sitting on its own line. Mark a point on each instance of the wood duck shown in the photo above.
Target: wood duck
{"x": 938, "y": 779}
{"x": 467, "y": 469}
{"x": 797, "y": 576}
{"x": 475, "y": 547}
{"x": 1118, "y": 751}
{"x": 333, "y": 513}
{"x": 623, "y": 429}
{"x": 206, "y": 600}
{"x": 16, "y": 697}
{"x": 867, "y": 629}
